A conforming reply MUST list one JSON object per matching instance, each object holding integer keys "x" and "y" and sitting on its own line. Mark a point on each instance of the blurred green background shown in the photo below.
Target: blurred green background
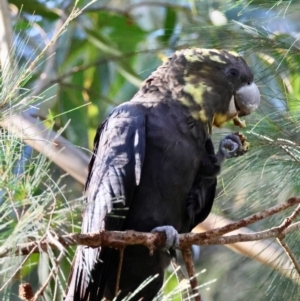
{"x": 99, "y": 62}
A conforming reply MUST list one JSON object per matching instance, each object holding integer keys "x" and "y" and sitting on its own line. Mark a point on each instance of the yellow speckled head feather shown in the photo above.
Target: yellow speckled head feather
{"x": 203, "y": 80}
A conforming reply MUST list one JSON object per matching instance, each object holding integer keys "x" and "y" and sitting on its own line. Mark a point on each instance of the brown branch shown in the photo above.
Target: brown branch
{"x": 62, "y": 152}
{"x": 250, "y": 219}
{"x": 152, "y": 241}
{"x": 119, "y": 240}
{"x": 16, "y": 271}
{"x": 112, "y": 239}
{"x": 264, "y": 251}
{"x": 55, "y": 268}
{"x": 25, "y": 289}
{"x": 155, "y": 240}
{"x": 286, "y": 223}
{"x": 121, "y": 252}
{"x": 289, "y": 253}
{"x": 188, "y": 259}
{"x": 24, "y": 126}
{"x": 7, "y": 60}
{"x": 291, "y": 228}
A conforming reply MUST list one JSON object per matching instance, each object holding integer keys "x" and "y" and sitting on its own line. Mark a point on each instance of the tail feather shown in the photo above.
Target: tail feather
{"x": 82, "y": 272}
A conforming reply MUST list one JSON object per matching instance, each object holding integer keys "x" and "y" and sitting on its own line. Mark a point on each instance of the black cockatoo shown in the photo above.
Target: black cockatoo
{"x": 154, "y": 167}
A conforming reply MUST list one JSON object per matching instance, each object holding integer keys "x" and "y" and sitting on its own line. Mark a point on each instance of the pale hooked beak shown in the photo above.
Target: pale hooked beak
{"x": 244, "y": 101}
{"x": 247, "y": 99}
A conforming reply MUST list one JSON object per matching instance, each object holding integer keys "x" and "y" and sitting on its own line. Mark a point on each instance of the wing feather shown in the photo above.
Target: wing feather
{"x": 114, "y": 172}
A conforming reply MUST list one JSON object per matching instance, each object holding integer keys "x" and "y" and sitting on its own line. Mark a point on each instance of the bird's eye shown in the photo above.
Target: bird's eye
{"x": 233, "y": 72}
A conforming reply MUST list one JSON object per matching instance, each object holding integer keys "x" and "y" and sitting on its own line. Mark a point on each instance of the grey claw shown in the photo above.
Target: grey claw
{"x": 172, "y": 236}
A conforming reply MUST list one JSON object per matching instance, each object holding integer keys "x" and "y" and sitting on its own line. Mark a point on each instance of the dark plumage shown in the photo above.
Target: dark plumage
{"x": 154, "y": 158}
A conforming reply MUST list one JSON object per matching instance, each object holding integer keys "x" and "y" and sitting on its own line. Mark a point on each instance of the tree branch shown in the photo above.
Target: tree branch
{"x": 7, "y": 62}
{"x": 289, "y": 253}
{"x": 188, "y": 259}
{"x": 119, "y": 240}
{"x": 62, "y": 152}
{"x": 264, "y": 251}
{"x": 286, "y": 223}
{"x": 250, "y": 219}
{"x": 152, "y": 241}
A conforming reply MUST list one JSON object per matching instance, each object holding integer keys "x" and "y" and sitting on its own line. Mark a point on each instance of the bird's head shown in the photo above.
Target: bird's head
{"x": 216, "y": 85}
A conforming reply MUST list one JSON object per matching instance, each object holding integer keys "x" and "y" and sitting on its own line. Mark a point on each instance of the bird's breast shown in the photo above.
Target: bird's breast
{"x": 169, "y": 169}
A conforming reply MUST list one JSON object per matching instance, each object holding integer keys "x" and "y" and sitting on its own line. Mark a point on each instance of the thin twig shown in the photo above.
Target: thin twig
{"x": 55, "y": 267}
{"x": 250, "y": 219}
{"x": 266, "y": 252}
{"x": 288, "y": 221}
{"x": 291, "y": 228}
{"x": 188, "y": 259}
{"x": 44, "y": 77}
{"x": 75, "y": 12}
{"x": 289, "y": 253}
{"x": 121, "y": 252}
{"x": 16, "y": 271}
{"x": 285, "y": 224}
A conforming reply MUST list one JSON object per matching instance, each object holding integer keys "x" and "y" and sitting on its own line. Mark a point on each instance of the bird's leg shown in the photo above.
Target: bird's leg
{"x": 229, "y": 147}
{"x": 172, "y": 240}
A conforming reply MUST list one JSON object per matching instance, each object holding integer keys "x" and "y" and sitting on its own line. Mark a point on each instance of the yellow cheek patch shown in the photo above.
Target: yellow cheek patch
{"x": 203, "y": 116}
{"x": 196, "y": 91}
{"x": 219, "y": 119}
{"x": 199, "y": 116}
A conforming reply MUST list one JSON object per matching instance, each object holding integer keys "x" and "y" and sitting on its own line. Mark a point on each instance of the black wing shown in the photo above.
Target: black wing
{"x": 202, "y": 194}
{"x": 114, "y": 172}
{"x": 200, "y": 200}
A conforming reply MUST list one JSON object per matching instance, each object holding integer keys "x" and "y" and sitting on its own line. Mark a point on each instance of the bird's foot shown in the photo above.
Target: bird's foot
{"x": 172, "y": 240}
{"x": 230, "y": 146}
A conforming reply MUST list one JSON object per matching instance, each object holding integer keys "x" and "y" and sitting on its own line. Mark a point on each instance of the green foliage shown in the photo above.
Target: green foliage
{"x": 98, "y": 62}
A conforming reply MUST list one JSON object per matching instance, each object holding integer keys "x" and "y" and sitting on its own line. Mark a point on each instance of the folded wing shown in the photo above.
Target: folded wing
{"x": 114, "y": 172}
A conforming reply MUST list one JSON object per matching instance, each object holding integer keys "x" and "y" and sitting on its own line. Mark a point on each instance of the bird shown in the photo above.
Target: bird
{"x": 154, "y": 168}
